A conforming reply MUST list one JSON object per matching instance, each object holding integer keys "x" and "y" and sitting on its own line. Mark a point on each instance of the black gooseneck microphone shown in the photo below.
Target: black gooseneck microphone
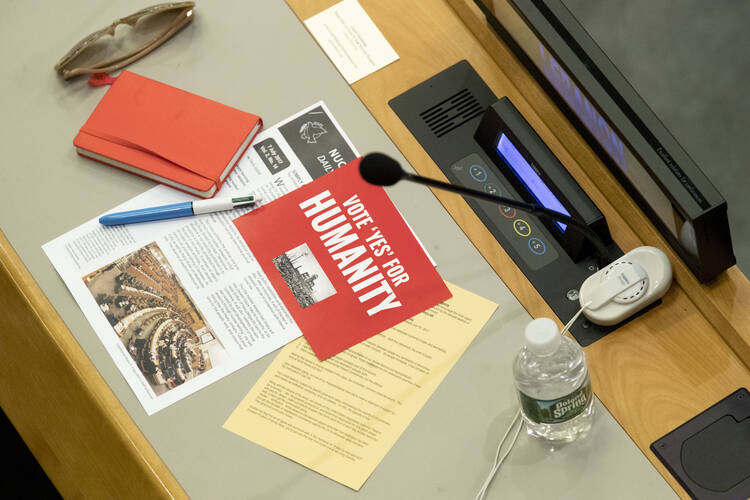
{"x": 382, "y": 170}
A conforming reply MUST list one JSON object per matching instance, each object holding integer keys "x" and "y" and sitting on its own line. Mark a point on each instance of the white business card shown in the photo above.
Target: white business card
{"x": 351, "y": 40}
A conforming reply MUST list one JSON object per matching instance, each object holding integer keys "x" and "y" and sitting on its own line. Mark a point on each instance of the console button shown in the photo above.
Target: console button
{"x": 491, "y": 188}
{"x": 521, "y": 227}
{"x": 537, "y": 246}
{"x": 478, "y": 173}
{"x": 508, "y": 212}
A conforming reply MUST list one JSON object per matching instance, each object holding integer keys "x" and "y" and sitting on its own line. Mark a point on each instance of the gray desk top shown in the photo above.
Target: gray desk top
{"x": 257, "y": 56}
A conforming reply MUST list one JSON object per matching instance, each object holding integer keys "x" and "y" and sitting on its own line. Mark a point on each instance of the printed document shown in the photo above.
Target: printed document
{"x": 351, "y": 40}
{"x": 180, "y": 303}
{"x": 339, "y": 417}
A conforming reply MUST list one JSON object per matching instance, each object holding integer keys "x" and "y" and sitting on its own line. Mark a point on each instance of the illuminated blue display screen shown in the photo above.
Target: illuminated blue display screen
{"x": 530, "y": 178}
{"x": 583, "y": 108}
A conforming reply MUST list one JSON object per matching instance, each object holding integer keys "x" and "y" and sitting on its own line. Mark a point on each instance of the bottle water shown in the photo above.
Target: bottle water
{"x": 553, "y": 384}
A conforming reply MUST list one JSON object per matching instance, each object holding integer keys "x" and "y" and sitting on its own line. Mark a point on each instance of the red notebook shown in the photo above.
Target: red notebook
{"x": 167, "y": 135}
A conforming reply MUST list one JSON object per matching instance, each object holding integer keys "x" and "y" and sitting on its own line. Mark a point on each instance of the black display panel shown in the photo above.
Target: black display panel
{"x": 620, "y": 127}
{"x": 456, "y": 118}
{"x": 539, "y": 177}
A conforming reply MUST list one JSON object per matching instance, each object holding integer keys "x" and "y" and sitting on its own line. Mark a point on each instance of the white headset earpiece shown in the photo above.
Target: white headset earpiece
{"x": 626, "y": 286}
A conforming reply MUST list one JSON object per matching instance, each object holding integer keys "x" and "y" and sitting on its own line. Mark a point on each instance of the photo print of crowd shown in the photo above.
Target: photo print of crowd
{"x": 155, "y": 318}
{"x": 304, "y": 276}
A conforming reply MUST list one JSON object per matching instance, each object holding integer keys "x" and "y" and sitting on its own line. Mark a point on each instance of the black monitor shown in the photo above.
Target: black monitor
{"x": 620, "y": 127}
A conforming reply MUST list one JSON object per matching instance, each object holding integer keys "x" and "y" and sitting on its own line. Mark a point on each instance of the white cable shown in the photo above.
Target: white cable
{"x": 512, "y": 443}
{"x": 483, "y": 489}
{"x": 500, "y": 445}
{"x": 497, "y": 463}
{"x": 574, "y": 318}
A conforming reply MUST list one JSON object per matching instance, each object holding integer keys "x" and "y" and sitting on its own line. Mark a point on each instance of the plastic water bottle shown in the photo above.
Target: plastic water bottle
{"x": 553, "y": 384}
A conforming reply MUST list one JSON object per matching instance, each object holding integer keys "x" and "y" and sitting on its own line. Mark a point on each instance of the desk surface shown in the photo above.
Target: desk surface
{"x": 264, "y": 61}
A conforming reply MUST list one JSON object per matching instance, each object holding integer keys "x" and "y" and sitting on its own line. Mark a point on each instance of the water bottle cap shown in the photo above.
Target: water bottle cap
{"x": 542, "y": 336}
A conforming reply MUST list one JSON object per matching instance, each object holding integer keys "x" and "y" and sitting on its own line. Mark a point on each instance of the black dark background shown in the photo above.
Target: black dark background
{"x": 22, "y": 477}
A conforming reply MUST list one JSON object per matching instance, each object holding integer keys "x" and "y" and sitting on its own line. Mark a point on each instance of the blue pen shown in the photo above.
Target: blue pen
{"x": 175, "y": 210}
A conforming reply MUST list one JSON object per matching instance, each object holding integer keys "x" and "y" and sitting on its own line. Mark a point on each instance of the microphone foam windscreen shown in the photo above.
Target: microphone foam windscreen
{"x": 380, "y": 169}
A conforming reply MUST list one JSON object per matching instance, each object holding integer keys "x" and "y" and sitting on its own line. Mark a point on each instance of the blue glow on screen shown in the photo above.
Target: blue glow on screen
{"x": 583, "y": 108}
{"x": 530, "y": 178}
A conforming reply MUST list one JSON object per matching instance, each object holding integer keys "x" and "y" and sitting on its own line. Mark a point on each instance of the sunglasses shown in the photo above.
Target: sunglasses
{"x": 148, "y": 28}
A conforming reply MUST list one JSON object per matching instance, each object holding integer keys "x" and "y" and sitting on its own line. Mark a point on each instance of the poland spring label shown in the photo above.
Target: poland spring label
{"x": 558, "y": 410}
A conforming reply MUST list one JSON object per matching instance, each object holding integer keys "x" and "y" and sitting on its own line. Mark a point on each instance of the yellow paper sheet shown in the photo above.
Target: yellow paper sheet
{"x": 339, "y": 417}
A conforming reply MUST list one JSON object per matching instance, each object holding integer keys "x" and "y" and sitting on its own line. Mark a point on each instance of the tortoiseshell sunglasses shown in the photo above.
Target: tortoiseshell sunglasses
{"x": 150, "y": 27}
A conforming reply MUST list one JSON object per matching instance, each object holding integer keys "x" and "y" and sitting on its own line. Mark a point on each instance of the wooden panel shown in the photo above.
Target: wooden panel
{"x": 652, "y": 374}
{"x": 60, "y": 405}
{"x": 726, "y": 301}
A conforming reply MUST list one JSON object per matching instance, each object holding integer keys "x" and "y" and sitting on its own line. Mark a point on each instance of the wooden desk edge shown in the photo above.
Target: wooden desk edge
{"x": 62, "y": 408}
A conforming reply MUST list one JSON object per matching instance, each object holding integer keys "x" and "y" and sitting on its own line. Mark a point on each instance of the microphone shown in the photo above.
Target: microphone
{"x": 382, "y": 170}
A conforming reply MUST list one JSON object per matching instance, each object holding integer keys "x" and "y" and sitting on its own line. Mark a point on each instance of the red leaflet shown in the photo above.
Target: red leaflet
{"x": 342, "y": 259}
